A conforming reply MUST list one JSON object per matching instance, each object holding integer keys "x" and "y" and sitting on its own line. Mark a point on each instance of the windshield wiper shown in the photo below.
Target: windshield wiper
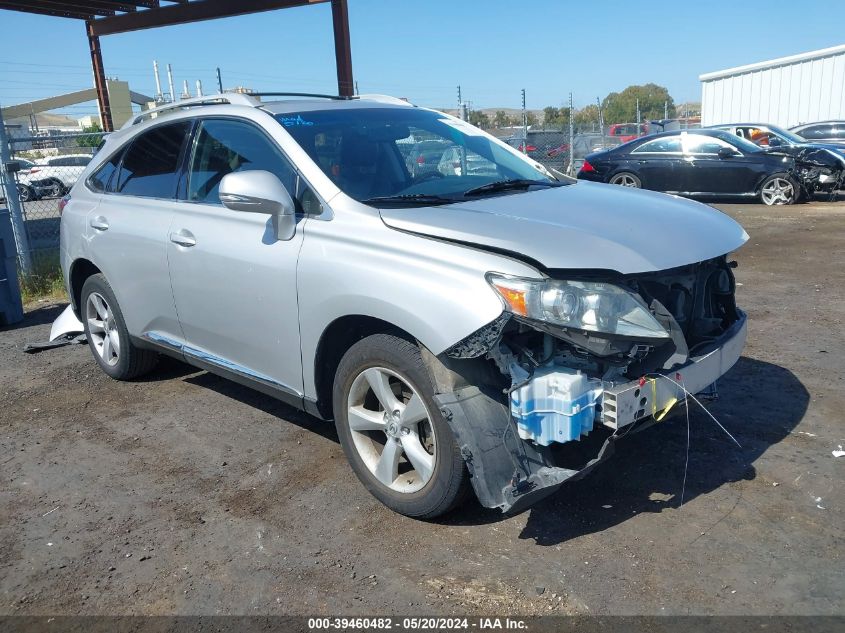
{"x": 410, "y": 198}
{"x": 505, "y": 185}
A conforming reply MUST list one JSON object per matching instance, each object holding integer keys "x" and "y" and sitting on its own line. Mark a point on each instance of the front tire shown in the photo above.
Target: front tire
{"x": 107, "y": 335}
{"x": 779, "y": 189}
{"x": 392, "y": 431}
{"x": 25, "y": 193}
{"x": 626, "y": 179}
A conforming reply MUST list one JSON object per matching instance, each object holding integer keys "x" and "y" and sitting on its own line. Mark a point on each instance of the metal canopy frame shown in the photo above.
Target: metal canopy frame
{"x": 107, "y": 17}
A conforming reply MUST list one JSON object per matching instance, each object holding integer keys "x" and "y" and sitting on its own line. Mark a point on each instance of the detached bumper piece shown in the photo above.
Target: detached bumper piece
{"x": 507, "y": 472}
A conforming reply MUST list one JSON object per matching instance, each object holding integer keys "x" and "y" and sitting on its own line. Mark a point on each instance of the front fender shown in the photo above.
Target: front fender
{"x": 356, "y": 265}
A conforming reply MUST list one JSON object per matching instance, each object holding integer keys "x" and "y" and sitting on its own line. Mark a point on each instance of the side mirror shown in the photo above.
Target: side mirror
{"x": 774, "y": 142}
{"x": 260, "y": 192}
{"x": 726, "y": 152}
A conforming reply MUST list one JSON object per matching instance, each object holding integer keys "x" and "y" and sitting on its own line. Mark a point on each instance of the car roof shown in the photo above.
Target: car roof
{"x": 311, "y": 105}
{"x": 724, "y": 125}
{"x": 704, "y": 131}
{"x": 828, "y": 122}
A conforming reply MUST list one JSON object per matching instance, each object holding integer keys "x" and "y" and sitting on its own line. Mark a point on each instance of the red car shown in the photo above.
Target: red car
{"x": 627, "y": 131}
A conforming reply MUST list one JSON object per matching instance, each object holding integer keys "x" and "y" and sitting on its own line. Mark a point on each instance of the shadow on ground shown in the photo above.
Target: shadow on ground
{"x": 38, "y": 316}
{"x": 759, "y": 403}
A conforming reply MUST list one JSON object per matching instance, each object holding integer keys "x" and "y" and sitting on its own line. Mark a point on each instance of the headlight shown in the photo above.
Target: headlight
{"x": 583, "y": 305}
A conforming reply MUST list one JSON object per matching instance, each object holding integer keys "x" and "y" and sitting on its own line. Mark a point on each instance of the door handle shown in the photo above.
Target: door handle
{"x": 183, "y": 238}
{"x": 99, "y": 223}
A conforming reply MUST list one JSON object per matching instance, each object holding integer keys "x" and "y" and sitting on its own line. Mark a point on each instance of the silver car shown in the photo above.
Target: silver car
{"x": 459, "y": 327}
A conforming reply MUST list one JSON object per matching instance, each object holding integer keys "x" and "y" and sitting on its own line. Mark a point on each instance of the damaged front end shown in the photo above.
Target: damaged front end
{"x": 581, "y": 359}
{"x": 819, "y": 170}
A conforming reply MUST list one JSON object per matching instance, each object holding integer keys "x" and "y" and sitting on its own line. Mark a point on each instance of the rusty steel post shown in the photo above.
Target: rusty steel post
{"x": 342, "y": 48}
{"x": 99, "y": 77}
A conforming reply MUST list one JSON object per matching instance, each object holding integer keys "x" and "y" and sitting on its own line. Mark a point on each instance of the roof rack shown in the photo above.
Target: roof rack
{"x": 233, "y": 98}
{"x": 299, "y": 94}
{"x": 385, "y": 99}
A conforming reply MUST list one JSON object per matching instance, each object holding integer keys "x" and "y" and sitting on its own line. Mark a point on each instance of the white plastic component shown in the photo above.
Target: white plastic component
{"x": 557, "y": 405}
{"x": 66, "y": 323}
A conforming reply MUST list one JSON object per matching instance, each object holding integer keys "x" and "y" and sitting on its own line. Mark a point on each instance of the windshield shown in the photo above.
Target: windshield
{"x": 789, "y": 136}
{"x": 405, "y": 154}
{"x": 740, "y": 143}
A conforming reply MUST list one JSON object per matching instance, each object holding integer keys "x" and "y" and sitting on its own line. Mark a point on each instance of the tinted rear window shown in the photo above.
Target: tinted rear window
{"x": 151, "y": 163}
{"x": 99, "y": 180}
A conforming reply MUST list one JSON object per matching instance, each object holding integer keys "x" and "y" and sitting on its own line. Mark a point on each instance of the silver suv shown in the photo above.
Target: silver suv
{"x": 463, "y": 328}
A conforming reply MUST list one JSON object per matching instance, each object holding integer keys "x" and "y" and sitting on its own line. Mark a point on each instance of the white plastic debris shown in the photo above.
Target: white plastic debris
{"x": 839, "y": 452}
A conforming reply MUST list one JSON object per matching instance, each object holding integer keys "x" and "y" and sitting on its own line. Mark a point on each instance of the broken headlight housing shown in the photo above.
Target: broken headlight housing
{"x": 582, "y": 305}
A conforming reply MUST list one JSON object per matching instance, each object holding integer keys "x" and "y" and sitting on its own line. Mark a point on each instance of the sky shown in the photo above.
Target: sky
{"x": 424, "y": 49}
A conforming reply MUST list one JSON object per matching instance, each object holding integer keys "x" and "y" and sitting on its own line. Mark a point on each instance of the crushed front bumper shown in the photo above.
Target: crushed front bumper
{"x": 512, "y": 474}
{"x": 632, "y": 401}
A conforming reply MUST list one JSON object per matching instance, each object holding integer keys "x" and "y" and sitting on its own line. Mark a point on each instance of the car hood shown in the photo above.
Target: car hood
{"x": 797, "y": 148}
{"x": 582, "y": 226}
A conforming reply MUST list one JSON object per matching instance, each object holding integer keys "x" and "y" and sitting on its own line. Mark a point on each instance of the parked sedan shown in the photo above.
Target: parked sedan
{"x": 704, "y": 163}
{"x": 772, "y": 136}
{"x": 53, "y": 177}
{"x": 829, "y": 132}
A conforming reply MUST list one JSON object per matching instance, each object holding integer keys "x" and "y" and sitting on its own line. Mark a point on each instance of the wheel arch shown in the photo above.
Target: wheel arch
{"x": 335, "y": 341}
{"x": 80, "y": 270}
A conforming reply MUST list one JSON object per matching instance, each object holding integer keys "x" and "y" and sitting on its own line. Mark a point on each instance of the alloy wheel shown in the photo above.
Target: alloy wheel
{"x": 102, "y": 328}
{"x": 778, "y": 191}
{"x": 391, "y": 429}
{"x": 625, "y": 180}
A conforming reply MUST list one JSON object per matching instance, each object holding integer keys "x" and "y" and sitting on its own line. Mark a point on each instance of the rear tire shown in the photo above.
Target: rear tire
{"x": 626, "y": 179}
{"x": 107, "y": 335}
{"x": 779, "y": 189}
{"x": 404, "y": 451}
{"x": 26, "y": 194}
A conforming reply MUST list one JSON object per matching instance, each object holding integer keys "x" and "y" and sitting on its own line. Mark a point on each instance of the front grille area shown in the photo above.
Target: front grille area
{"x": 700, "y": 297}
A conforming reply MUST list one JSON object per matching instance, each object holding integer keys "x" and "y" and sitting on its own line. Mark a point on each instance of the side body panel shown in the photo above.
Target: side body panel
{"x": 132, "y": 253}
{"x": 235, "y": 291}
{"x": 356, "y": 265}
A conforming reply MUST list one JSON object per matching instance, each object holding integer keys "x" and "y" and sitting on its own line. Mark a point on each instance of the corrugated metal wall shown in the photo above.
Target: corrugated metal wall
{"x": 786, "y": 92}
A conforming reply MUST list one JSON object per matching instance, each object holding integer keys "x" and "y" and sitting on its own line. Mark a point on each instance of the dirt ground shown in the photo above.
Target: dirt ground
{"x": 187, "y": 494}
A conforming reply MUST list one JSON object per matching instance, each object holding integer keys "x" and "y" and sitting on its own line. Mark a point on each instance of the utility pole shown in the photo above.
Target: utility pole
{"x": 13, "y": 201}
{"x": 159, "y": 97}
{"x": 170, "y": 83}
{"x": 356, "y": 88}
{"x": 186, "y": 94}
{"x": 601, "y": 116}
{"x": 571, "y": 167}
{"x": 665, "y": 109}
{"x": 199, "y": 87}
{"x": 524, "y": 125}
{"x": 461, "y": 110}
{"x": 219, "y": 82}
{"x": 638, "y": 117}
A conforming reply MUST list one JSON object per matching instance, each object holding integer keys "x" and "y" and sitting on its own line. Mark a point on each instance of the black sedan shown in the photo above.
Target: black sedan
{"x": 697, "y": 163}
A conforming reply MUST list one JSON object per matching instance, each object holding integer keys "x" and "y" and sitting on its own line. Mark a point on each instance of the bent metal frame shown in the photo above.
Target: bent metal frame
{"x": 107, "y": 17}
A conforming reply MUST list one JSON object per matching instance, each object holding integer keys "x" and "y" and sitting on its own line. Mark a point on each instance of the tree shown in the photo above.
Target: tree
{"x": 90, "y": 139}
{"x": 501, "y": 119}
{"x": 479, "y": 119}
{"x": 530, "y": 119}
{"x": 587, "y": 118}
{"x": 621, "y": 107}
{"x": 555, "y": 118}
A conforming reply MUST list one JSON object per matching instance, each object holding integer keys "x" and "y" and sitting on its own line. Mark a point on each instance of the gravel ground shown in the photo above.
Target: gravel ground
{"x": 187, "y": 494}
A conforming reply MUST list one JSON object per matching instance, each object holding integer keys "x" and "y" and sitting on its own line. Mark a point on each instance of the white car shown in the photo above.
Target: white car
{"x": 50, "y": 177}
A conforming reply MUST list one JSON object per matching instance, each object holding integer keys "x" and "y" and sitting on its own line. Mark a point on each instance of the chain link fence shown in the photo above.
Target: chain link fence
{"x": 48, "y": 167}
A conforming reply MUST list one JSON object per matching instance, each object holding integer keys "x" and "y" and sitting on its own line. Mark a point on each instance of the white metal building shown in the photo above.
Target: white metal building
{"x": 787, "y": 91}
